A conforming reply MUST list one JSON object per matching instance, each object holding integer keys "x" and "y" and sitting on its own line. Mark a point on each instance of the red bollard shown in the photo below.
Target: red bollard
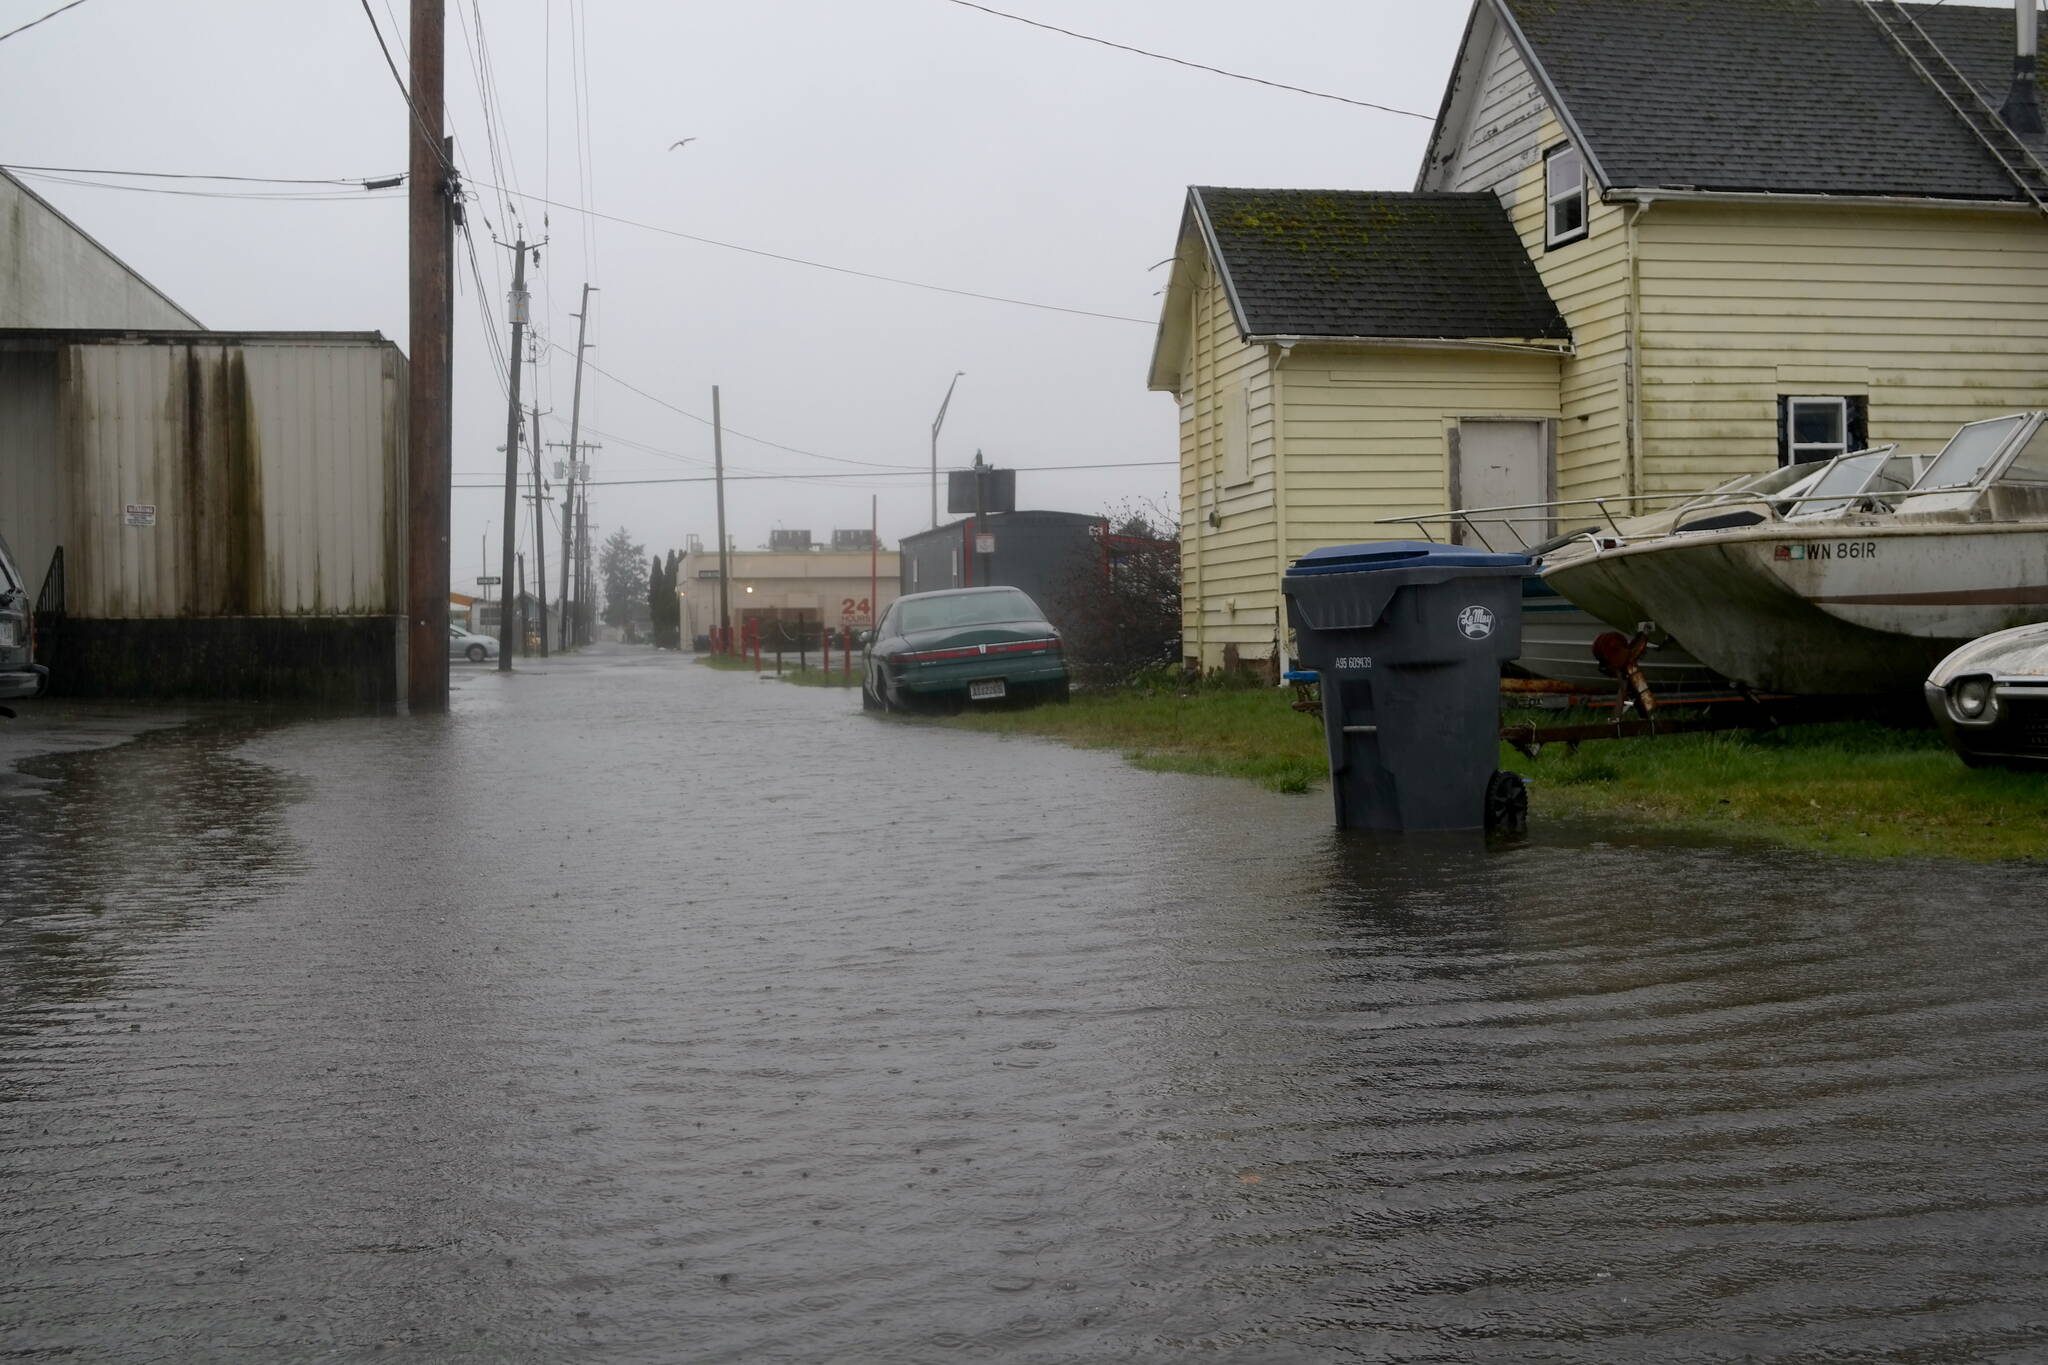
{"x": 846, "y": 650}
{"x": 826, "y": 636}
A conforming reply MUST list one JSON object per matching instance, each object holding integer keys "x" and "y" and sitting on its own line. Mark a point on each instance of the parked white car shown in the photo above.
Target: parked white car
{"x": 1990, "y": 699}
{"x": 20, "y": 676}
{"x": 467, "y": 644}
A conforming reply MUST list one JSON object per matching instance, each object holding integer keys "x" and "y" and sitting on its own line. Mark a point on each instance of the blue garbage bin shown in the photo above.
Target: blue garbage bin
{"x": 1408, "y": 637}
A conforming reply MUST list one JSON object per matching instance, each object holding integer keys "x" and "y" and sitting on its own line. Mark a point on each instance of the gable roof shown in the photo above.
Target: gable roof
{"x": 33, "y": 215}
{"x": 1767, "y": 96}
{"x": 1355, "y": 265}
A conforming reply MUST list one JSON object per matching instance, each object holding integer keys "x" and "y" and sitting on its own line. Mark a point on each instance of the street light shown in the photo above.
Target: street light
{"x": 938, "y": 422}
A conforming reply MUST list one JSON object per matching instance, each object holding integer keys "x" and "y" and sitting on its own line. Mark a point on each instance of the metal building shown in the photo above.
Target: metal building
{"x": 1040, "y": 552}
{"x": 54, "y": 274}
{"x": 210, "y": 514}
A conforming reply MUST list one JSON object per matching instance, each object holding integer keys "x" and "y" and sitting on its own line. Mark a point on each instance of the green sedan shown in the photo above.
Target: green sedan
{"x": 976, "y": 646}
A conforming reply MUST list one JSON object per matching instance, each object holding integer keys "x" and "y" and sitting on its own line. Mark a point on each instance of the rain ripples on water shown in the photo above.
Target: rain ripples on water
{"x": 635, "y": 1012}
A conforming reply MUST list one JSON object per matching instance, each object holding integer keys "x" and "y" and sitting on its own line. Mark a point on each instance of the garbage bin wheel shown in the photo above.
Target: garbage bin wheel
{"x": 1507, "y": 804}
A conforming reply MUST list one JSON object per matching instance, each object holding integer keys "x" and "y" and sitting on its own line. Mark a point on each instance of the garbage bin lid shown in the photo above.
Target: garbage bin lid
{"x": 1401, "y": 554}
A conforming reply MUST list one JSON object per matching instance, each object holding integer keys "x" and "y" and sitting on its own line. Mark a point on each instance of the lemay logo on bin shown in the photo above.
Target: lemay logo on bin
{"x": 1475, "y": 623}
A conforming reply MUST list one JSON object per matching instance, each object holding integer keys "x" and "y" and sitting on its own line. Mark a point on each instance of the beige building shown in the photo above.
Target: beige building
{"x": 787, "y": 594}
{"x": 1772, "y": 232}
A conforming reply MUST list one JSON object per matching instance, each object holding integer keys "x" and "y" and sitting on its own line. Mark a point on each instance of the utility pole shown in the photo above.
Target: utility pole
{"x": 724, "y": 566}
{"x": 521, "y": 599}
{"x": 517, "y": 305}
{"x": 586, "y": 582}
{"x": 575, "y": 434}
{"x": 540, "y": 540}
{"x": 430, "y": 247}
{"x": 938, "y": 422}
{"x": 980, "y": 512}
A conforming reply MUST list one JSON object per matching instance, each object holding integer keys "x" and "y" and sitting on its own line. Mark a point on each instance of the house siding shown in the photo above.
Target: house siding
{"x": 1937, "y": 316}
{"x": 1589, "y": 280}
{"x": 1364, "y": 433}
{"x": 1231, "y": 560}
{"x": 1505, "y": 134}
{"x": 1510, "y": 127}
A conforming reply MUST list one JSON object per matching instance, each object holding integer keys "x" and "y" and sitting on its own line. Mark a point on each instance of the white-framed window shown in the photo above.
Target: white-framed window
{"x": 1564, "y": 195}
{"x": 1814, "y": 429}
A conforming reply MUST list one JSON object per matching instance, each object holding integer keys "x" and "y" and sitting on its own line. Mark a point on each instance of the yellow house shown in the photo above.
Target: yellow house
{"x": 1773, "y": 229}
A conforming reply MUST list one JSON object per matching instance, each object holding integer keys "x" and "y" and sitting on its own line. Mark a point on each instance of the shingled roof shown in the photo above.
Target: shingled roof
{"x": 1374, "y": 264}
{"x": 1773, "y": 96}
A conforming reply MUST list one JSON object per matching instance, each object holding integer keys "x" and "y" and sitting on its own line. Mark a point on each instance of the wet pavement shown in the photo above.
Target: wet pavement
{"x": 637, "y": 1012}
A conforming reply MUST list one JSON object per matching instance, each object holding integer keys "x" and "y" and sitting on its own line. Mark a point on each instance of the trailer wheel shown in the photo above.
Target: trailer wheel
{"x": 1507, "y": 804}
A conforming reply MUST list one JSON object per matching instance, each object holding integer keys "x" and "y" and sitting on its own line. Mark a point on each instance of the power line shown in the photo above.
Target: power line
{"x": 706, "y": 421}
{"x": 44, "y": 20}
{"x": 843, "y": 269}
{"x": 893, "y": 474}
{"x": 1197, "y": 66}
{"x": 379, "y": 181}
{"x": 282, "y": 196}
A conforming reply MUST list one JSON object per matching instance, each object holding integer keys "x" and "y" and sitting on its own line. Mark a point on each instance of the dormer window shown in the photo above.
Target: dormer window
{"x": 1564, "y": 192}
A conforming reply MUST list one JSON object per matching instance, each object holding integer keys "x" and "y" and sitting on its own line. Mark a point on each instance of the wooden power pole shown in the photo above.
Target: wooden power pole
{"x": 540, "y": 540}
{"x": 430, "y": 248}
{"x": 724, "y": 568}
{"x": 517, "y": 304}
{"x": 575, "y": 434}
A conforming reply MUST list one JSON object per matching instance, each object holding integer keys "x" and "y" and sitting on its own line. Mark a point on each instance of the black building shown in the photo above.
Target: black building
{"x": 1040, "y": 552}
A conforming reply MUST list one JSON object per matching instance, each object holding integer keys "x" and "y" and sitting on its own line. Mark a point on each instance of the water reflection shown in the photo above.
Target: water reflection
{"x": 110, "y": 849}
{"x": 763, "y": 1030}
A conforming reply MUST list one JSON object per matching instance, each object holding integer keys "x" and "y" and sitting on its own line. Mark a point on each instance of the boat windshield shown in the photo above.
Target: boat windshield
{"x": 1753, "y": 486}
{"x": 2031, "y": 464}
{"x": 1836, "y": 488}
{"x": 1969, "y": 453}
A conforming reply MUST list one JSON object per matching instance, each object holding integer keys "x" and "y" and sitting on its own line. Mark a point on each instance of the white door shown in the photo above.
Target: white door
{"x": 1502, "y": 464}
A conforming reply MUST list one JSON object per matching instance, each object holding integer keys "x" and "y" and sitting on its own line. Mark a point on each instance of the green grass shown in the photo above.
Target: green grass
{"x": 802, "y": 677}
{"x": 1853, "y": 788}
{"x": 1250, "y": 734}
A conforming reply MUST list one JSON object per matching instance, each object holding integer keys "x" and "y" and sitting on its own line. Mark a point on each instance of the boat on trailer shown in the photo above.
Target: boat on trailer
{"x": 1557, "y": 632}
{"x": 1858, "y": 580}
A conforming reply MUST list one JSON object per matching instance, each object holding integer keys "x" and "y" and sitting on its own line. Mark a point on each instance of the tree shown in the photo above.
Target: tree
{"x": 655, "y": 588}
{"x": 1118, "y": 603}
{"x": 672, "y": 604}
{"x": 622, "y": 565}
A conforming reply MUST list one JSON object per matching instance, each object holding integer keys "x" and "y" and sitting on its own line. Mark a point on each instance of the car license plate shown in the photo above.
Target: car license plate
{"x": 988, "y": 689}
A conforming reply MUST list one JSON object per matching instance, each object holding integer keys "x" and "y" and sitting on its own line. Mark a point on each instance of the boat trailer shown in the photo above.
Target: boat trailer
{"x": 1619, "y": 657}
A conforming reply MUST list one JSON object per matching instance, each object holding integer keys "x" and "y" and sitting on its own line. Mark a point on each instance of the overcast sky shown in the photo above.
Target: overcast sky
{"x": 916, "y": 138}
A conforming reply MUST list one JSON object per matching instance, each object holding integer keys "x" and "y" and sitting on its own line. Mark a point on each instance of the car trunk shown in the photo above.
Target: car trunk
{"x": 966, "y": 638}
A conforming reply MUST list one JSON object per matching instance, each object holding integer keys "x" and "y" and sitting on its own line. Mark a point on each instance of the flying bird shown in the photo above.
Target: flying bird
{"x": 684, "y": 143}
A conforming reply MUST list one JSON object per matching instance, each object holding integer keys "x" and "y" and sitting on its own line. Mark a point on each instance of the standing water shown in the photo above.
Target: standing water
{"x": 637, "y": 1012}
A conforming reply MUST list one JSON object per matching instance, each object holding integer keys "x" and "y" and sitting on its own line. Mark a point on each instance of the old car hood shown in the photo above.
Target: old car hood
{"x": 2021, "y": 652}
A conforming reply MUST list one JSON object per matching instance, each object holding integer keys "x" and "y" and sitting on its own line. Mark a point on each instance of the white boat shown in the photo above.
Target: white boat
{"x": 1858, "y": 582}
{"x": 1558, "y": 633}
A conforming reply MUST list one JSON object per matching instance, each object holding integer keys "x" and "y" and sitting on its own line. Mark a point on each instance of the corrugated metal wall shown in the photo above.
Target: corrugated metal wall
{"x": 275, "y": 467}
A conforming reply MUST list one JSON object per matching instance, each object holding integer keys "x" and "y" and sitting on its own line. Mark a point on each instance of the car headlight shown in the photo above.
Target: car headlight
{"x": 1972, "y": 699}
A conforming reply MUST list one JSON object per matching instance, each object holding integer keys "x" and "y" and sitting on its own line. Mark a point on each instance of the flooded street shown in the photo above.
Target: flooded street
{"x": 638, "y": 1012}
